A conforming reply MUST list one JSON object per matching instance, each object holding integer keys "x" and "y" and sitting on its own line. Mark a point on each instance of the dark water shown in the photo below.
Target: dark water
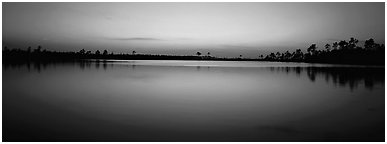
{"x": 192, "y": 101}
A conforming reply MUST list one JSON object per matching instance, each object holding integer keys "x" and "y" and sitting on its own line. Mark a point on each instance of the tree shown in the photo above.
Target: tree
{"x": 312, "y": 48}
{"x": 343, "y": 44}
{"x": 38, "y": 50}
{"x": 352, "y": 43}
{"x": 272, "y": 56}
{"x": 134, "y": 52}
{"x": 198, "y": 53}
{"x": 328, "y": 47}
{"x": 369, "y": 44}
{"x": 97, "y": 52}
{"x": 105, "y": 52}
{"x": 278, "y": 55}
{"x": 335, "y": 45}
{"x": 82, "y": 51}
{"x": 287, "y": 55}
{"x": 208, "y": 54}
{"x": 298, "y": 55}
{"x": 29, "y": 49}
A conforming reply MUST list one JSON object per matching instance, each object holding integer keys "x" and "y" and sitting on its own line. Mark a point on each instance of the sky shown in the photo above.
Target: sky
{"x": 224, "y": 29}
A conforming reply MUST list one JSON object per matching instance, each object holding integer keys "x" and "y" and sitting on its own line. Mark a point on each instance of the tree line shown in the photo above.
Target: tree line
{"x": 341, "y": 52}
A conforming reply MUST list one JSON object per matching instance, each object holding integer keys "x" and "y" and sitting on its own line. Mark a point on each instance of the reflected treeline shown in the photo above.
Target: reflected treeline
{"x": 42, "y": 65}
{"x": 350, "y": 77}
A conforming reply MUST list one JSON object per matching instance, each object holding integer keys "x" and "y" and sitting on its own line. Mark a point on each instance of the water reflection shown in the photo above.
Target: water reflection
{"x": 350, "y": 77}
{"x": 132, "y": 101}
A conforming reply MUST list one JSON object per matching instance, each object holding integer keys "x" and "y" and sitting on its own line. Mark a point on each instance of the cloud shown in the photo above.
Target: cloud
{"x": 137, "y": 39}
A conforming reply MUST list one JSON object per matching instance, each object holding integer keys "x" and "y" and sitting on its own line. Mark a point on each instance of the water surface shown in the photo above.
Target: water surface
{"x": 192, "y": 101}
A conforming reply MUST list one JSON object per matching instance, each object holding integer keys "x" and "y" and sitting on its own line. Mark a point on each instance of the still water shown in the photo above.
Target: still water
{"x": 192, "y": 101}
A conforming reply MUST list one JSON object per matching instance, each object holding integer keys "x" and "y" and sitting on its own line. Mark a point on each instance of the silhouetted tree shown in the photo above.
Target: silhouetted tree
{"x": 272, "y": 56}
{"x": 341, "y": 52}
{"x": 335, "y": 45}
{"x": 298, "y": 55}
{"x": 343, "y": 44}
{"x": 352, "y": 43}
{"x": 278, "y": 55}
{"x": 312, "y": 49}
{"x": 328, "y": 47}
{"x": 97, "y": 52}
{"x": 287, "y": 55}
{"x": 369, "y": 44}
{"x": 38, "y": 50}
{"x": 82, "y": 51}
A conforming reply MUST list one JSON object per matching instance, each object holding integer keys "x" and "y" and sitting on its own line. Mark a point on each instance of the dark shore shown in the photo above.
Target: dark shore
{"x": 342, "y": 52}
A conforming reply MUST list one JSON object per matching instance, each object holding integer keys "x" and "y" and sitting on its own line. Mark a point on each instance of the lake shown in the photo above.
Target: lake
{"x": 192, "y": 101}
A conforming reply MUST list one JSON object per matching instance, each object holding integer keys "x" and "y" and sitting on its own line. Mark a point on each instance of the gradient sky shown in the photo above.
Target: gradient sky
{"x": 224, "y": 29}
